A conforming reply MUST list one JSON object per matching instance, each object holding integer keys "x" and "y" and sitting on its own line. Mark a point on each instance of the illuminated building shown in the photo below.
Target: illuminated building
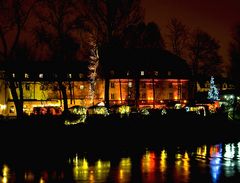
{"x": 135, "y": 78}
{"x": 146, "y": 77}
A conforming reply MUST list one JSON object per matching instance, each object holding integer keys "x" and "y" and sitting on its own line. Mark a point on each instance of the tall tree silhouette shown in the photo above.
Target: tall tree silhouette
{"x": 108, "y": 19}
{"x": 56, "y": 30}
{"x": 13, "y": 17}
{"x": 204, "y": 56}
{"x": 142, "y": 36}
{"x": 178, "y": 36}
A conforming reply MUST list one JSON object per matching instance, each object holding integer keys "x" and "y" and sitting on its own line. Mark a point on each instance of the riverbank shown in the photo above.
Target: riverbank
{"x": 114, "y": 131}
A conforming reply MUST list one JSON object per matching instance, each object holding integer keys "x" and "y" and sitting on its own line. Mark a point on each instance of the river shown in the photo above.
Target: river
{"x": 162, "y": 163}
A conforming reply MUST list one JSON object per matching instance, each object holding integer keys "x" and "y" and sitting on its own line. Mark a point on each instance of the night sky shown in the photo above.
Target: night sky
{"x": 216, "y": 17}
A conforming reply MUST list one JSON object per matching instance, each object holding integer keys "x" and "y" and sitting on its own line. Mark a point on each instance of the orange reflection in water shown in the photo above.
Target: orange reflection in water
{"x": 148, "y": 166}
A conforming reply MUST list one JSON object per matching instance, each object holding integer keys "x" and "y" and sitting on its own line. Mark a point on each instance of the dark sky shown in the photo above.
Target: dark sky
{"x": 216, "y": 17}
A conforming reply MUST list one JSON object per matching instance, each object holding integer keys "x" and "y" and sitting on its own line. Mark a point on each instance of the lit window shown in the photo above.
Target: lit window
{"x": 41, "y": 75}
{"x": 156, "y": 73}
{"x": 26, "y": 75}
{"x": 69, "y": 75}
{"x": 169, "y": 73}
{"x": 130, "y": 84}
{"x": 127, "y": 73}
{"x": 142, "y": 73}
{"x": 112, "y": 96}
{"x": 12, "y": 109}
{"x": 112, "y": 85}
{"x": 81, "y": 87}
{"x": 13, "y": 75}
{"x": 170, "y": 96}
{"x": 224, "y": 85}
{"x": 27, "y": 86}
{"x": 42, "y": 87}
{"x": 144, "y": 95}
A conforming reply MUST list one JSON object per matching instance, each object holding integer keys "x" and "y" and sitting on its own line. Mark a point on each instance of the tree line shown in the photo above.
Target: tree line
{"x": 75, "y": 30}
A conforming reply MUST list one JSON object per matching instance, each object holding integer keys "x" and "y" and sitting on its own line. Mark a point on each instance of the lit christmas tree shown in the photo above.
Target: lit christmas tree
{"x": 213, "y": 93}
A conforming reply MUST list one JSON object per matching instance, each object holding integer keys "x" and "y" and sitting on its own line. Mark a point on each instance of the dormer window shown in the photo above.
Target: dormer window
{"x": 26, "y": 76}
{"x": 112, "y": 72}
{"x": 80, "y": 75}
{"x": 69, "y": 75}
{"x": 41, "y": 75}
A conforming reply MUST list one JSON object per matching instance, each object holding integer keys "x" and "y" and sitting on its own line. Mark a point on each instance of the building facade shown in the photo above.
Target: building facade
{"x": 152, "y": 86}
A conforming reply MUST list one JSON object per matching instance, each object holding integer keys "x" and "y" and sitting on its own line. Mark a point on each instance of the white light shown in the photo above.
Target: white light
{"x": 26, "y": 75}
{"x": 41, "y": 75}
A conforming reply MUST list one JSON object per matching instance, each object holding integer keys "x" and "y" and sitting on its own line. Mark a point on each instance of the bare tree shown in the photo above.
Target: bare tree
{"x": 142, "y": 36}
{"x": 13, "y": 17}
{"x": 108, "y": 20}
{"x": 56, "y": 30}
{"x": 178, "y": 35}
{"x": 203, "y": 53}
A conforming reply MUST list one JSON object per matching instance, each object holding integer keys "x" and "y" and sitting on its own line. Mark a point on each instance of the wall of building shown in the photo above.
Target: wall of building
{"x": 152, "y": 92}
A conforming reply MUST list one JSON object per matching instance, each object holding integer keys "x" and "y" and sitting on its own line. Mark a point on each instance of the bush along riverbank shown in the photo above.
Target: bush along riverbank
{"x": 110, "y": 131}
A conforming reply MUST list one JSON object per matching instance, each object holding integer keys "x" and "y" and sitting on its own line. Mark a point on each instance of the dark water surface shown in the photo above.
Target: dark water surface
{"x": 169, "y": 163}
{"x": 174, "y": 153}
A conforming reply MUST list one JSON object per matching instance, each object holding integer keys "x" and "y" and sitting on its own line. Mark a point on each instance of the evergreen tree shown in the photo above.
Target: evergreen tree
{"x": 213, "y": 91}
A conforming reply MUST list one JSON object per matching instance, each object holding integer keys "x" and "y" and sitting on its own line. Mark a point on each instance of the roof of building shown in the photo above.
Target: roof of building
{"x": 49, "y": 70}
{"x": 135, "y": 60}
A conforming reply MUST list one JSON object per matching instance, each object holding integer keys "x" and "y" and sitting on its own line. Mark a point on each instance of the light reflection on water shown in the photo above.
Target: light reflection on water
{"x": 206, "y": 163}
